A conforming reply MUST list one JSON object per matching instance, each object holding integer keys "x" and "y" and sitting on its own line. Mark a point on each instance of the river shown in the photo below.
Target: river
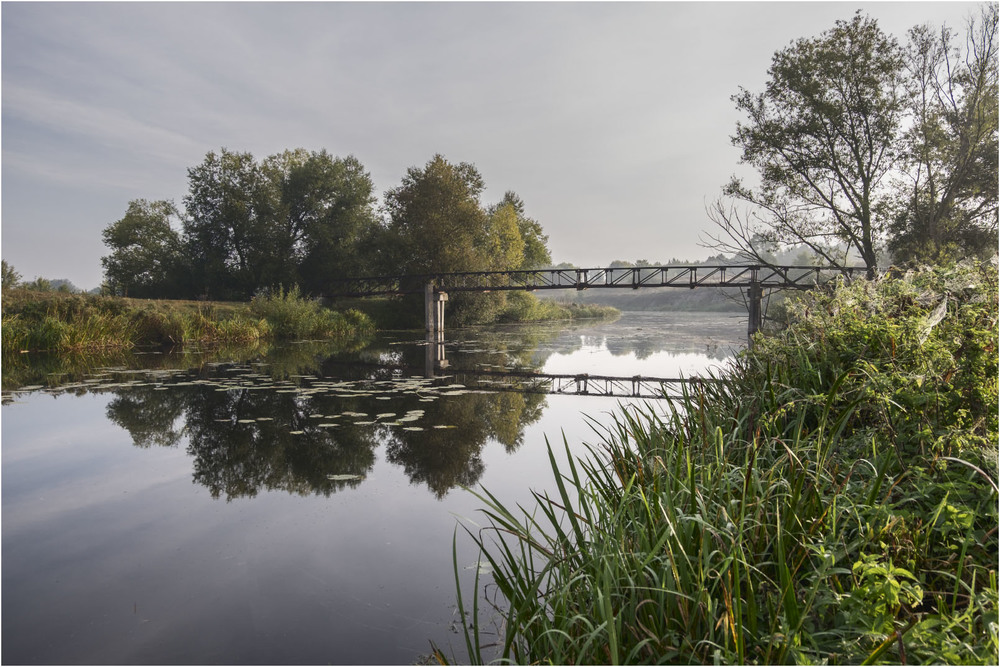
{"x": 294, "y": 507}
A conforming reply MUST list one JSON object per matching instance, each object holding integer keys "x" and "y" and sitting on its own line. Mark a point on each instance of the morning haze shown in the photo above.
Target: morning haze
{"x": 610, "y": 120}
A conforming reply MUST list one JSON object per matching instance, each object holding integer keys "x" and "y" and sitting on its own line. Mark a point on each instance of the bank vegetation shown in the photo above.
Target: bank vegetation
{"x": 832, "y": 499}
{"x": 61, "y": 322}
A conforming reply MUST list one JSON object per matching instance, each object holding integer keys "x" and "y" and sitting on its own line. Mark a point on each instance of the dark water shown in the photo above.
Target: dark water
{"x": 289, "y": 507}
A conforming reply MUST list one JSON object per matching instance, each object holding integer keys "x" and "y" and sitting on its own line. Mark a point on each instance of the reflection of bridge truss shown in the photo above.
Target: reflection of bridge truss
{"x": 531, "y": 382}
{"x": 578, "y": 385}
{"x": 774, "y": 277}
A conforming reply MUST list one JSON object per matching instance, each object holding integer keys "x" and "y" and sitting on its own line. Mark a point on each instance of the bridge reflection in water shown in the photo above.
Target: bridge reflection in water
{"x": 436, "y": 365}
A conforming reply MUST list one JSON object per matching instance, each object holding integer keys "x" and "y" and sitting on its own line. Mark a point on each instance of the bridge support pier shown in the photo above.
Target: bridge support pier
{"x": 434, "y": 308}
{"x": 755, "y": 297}
{"x": 434, "y": 317}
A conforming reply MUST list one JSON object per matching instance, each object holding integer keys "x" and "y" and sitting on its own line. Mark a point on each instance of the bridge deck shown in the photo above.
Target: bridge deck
{"x": 765, "y": 277}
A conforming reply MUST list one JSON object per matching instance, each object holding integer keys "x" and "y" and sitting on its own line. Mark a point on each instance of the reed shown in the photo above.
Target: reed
{"x": 80, "y": 323}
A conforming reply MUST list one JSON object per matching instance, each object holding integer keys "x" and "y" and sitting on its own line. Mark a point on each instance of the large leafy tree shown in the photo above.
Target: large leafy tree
{"x": 822, "y": 137}
{"x": 948, "y": 203}
{"x": 437, "y": 224}
{"x": 232, "y": 204}
{"x": 435, "y": 221}
{"x": 330, "y": 209}
{"x": 146, "y": 257}
{"x": 297, "y": 217}
{"x": 535, "y": 253}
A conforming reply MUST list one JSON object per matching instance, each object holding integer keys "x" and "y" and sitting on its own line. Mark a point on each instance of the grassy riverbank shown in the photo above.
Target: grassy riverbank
{"x": 60, "y": 322}
{"x": 833, "y": 500}
{"x": 35, "y": 321}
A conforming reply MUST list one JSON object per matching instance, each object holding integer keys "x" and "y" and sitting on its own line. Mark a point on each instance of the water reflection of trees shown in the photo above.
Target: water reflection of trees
{"x": 450, "y": 455}
{"x": 251, "y": 422}
{"x": 270, "y": 431}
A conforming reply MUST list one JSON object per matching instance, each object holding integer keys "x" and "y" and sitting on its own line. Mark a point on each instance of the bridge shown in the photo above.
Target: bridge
{"x": 754, "y": 278}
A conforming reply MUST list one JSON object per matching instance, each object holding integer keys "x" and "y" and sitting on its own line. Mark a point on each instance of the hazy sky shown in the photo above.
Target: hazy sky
{"x": 610, "y": 120}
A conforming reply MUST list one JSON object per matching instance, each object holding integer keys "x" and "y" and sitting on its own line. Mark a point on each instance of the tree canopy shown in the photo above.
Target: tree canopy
{"x": 947, "y": 206}
{"x": 146, "y": 258}
{"x": 861, "y": 144}
{"x": 293, "y": 218}
{"x": 307, "y": 218}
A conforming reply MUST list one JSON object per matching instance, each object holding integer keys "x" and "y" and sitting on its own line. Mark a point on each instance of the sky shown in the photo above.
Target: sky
{"x": 611, "y": 121}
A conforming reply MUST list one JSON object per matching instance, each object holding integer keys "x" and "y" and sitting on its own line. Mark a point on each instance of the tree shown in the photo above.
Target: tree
{"x": 297, "y": 217}
{"x": 948, "y": 205}
{"x": 536, "y": 252}
{"x": 232, "y": 203}
{"x": 436, "y": 224}
{"x": 330, "y": 208}
{"x": 11, "y": 278}
{"x": 822, "y": 137}
{"x": 437, "y": 221}
{"x": 146, "y": 253}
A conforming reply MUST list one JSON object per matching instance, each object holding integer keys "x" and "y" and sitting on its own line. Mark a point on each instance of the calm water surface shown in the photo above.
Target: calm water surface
{"x": 290, "y": 507}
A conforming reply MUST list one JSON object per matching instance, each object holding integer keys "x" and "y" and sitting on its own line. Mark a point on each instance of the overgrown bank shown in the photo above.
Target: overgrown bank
{"x": 63, "y": 322}
{"x": 834, "y": 499}
{"x": 59, "y": 322}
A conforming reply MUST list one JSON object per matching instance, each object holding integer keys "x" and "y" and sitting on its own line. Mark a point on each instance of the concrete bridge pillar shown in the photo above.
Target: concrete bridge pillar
{"x": 434, "y": 308}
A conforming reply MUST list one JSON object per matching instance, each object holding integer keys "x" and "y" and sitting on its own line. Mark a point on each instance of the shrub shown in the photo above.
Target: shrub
{"x": 291, "y": 316}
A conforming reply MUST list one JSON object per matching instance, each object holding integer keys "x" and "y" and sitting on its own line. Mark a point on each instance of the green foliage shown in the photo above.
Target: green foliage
{"x": 295, "y": 217}
{"x": 823, "y": 138}
{"x": 832, "y": 499}
{"x": 11, "y": 278}
{"x": 949, "y": 211}
{"x": 53, "y": 321}
{"x": 437, "y": 224}
{"x": 146, "y": 257}
{"x": 535, "y": 253}
{"x": 437, "y": 221}
{"x": 526, "y": 307}
{"x": 308, "y": 218}
{"x": 864, "y": 144}
{"x": 290, "y": 316}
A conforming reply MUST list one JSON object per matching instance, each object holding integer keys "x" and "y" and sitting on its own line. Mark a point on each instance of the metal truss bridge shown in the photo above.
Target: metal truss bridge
{"x": 691, "y": 277}
{"x": 754, "y": 278}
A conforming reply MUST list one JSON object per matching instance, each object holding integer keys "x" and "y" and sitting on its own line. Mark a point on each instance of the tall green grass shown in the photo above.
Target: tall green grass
{"x": 79, "y": 323}
{"x": 813, "y": 506}
{"x": 293, "y": 316}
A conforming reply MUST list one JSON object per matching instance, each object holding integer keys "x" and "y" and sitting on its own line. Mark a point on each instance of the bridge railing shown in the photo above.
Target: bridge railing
{"x": 785, "y": 277}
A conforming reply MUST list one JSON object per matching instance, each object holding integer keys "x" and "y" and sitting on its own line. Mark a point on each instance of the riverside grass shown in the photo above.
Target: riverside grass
{"x": 832, "y": 499}
{"x": 73, "y": 323}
